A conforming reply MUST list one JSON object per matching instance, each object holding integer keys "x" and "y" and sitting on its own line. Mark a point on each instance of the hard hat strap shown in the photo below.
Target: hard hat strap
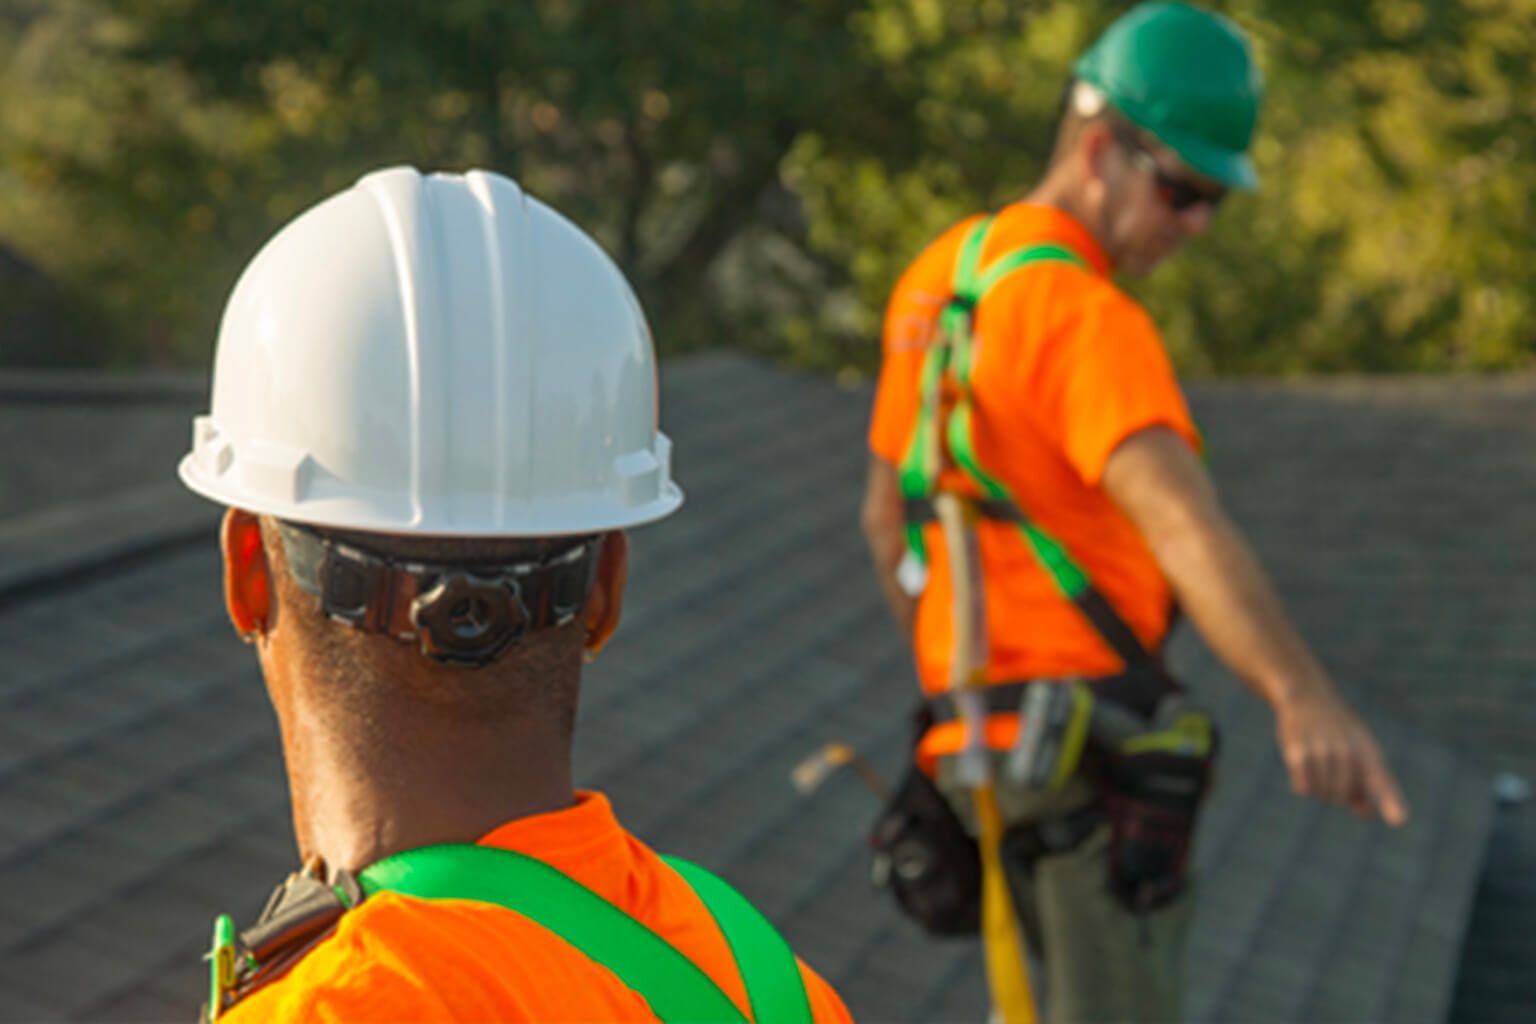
{"x": 462, "y": 614}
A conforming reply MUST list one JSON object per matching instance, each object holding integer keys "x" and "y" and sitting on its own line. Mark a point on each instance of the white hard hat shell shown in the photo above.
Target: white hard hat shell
{"x": 439, "y": 355}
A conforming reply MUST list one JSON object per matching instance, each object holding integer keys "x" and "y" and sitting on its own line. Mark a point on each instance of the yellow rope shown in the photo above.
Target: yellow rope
{"x": 1013, "y": 998}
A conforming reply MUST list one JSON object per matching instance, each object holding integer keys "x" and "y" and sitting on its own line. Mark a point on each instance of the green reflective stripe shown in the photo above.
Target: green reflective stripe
{"x": 920, "y": 465}
{"x": 965, "y": 283}
{"x": 768, "y": 967}
{"x": 1066, "y": 574}
{"x": 916, "y": 543}
{"x": 673, "y": 985}
{"x": 965, "y": 348}
{"x": 919, "y": 471}
{"x": 968, "y": 286}
{"x": 1009, "y": 262}
{"x": 1069, "y": 578}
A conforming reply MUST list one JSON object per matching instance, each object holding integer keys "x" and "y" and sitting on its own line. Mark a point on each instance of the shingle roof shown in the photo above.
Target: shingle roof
{"x": 141, "y": 789}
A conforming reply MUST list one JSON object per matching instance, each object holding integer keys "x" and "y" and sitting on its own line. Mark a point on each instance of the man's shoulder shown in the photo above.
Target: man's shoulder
{"x": 1079, "y": 283}
{"x": 396, "y": 957}
{"x": 937, "y": 258}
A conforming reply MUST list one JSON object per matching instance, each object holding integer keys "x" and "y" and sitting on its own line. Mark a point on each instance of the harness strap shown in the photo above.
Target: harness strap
{"x": 674, "y": 986}
{"x": 1004, "y": 697}
{"x": 921, "y": 510}
{"x": 304, "y": 910}
{"x": 299, "y": 915}
{"x": 941, "y": 432}
{"x": 768, "y": 966}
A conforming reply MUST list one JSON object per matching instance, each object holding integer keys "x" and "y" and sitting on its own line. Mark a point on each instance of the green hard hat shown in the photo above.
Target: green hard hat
{"x": 1188, "y": 77}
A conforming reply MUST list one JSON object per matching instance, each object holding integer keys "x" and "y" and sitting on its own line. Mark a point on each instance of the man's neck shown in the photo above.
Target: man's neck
{"x": 403, "y": 776}
{"x": 1059, "y": 193}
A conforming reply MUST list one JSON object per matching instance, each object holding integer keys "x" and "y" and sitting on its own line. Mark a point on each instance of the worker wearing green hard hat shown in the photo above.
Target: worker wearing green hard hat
{"x": 1037, "y": 506}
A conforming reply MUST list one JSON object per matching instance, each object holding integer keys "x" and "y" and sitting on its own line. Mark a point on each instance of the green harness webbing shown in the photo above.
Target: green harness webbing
{"x": 676, "y": 988}
{"x": 948, "y": 366}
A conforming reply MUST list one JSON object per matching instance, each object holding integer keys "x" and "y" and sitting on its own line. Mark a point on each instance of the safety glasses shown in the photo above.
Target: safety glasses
{"x": 1179, "y": 193}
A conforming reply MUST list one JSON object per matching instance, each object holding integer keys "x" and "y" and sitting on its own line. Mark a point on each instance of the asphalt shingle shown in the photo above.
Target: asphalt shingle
{"x": 141, "y": 788}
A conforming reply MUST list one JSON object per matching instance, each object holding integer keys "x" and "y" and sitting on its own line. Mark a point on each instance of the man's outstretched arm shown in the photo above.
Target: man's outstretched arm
{"x": 1160, "y": 485}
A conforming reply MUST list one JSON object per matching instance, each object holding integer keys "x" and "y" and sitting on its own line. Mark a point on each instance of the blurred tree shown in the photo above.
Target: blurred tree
{"x": 1396, "y": 150}
{"x": 161, "y": 140}
{"x": 764, "y": 170}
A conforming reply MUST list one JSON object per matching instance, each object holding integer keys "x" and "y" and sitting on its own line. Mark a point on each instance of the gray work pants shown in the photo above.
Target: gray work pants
{"x": 1102, "y": 962}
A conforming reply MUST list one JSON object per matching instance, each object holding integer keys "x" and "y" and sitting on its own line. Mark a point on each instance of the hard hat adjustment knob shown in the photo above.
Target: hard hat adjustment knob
{"x": 469, "y": 620}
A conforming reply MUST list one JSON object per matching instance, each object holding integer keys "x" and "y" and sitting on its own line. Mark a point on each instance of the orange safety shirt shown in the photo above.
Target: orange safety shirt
{"x": 397, "y": 958}
{"x": 1067, "y": 367}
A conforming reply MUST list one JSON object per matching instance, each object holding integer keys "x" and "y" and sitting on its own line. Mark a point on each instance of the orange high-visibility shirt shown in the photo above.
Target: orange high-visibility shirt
{"x": 1067, "y": 367}
{"x": 397, "y": 958}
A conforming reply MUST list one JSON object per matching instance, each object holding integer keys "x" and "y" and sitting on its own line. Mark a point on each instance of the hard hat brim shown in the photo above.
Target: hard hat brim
{"x": 1232, "y": 169}
{"x": 573, "y": 515}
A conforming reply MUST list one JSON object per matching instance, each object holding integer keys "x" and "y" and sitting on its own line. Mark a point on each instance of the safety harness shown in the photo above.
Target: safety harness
{"x": 304, "y": 910}
{"x": 944, "y": 435}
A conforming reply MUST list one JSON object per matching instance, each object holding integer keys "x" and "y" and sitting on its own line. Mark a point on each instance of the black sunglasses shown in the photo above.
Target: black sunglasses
{"x": 1180, "y": 194}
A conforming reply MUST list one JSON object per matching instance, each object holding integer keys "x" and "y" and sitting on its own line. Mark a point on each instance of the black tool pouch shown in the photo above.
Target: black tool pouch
{"x": 923, "y": 856}
{"x": 1152, "y": 798}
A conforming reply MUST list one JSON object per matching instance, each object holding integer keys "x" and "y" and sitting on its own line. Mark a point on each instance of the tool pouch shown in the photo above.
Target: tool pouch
{"x": 922, "y": 855}
{"x": 1152, "y": 786}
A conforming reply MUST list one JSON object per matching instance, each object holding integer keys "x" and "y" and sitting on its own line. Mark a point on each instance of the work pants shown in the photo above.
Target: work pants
{"x": 1102, "y": 962}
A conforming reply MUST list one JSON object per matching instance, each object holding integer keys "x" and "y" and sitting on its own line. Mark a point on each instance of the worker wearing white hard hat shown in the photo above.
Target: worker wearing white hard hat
{"x": 434, "y": 414}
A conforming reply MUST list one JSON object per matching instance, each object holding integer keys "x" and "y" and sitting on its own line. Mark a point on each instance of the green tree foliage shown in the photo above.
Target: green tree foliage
{"x": 161, "y": 140}
{"x": 764, "y": 170}
{"x": 1396, "y": 151}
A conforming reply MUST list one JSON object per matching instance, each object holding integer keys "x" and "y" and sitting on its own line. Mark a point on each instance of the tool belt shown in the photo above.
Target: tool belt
{"x": 1149, "y": 757}
{"x": 1152, "y": 786}
{"x": 922, "y": 855}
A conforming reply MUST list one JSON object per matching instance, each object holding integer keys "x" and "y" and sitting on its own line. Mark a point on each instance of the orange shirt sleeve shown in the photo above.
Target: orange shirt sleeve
{"x": 1103, "y": 375}
{"x": 396, "y": 960}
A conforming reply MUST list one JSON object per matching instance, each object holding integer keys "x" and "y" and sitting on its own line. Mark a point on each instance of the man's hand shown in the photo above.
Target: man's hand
{"x": 1331, "y": 755}
{"x": 1160, "y": 485}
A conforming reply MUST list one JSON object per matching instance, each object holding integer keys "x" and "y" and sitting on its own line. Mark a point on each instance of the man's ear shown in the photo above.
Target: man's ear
{"x": 1098, "y": 150}
{"x": 247, "y": 576}
{"x": 607, "y": 598}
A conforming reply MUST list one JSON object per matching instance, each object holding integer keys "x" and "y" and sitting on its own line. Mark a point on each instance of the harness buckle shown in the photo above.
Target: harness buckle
{"x": 911, "y": 574}
{"x": 223, "y": 965}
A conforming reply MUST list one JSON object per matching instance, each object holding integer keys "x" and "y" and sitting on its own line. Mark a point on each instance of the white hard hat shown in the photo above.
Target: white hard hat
{"x": 438, "y": 355}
